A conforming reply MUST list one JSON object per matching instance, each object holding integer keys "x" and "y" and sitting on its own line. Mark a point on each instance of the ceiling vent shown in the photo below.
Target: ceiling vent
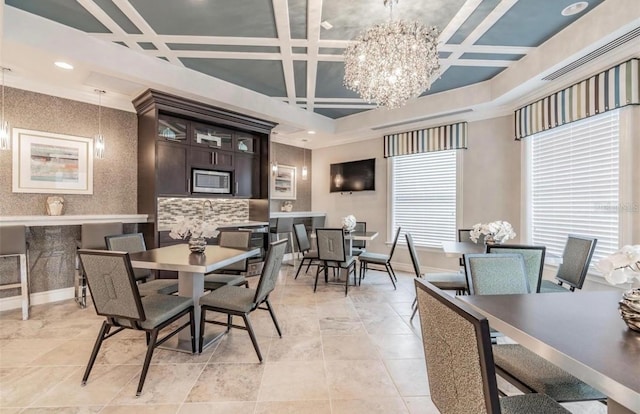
{"x": 595, "y": 54}
{"x": 426, "y": 118}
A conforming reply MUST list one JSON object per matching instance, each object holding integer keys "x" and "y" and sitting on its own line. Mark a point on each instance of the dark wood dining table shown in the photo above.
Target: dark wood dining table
{"x": 191, "y": 268}
{"x": 581, "y": 333}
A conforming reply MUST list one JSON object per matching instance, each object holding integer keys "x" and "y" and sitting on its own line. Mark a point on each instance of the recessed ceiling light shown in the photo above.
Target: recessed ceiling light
{"x": 63, "y": 65}
{"x": 574, "y": 8}
{"x": 311, "y": 132}
{"x": 326, "y": 25}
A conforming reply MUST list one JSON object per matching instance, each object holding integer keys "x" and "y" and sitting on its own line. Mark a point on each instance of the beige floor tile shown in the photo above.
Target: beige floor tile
{"x": 398, "y": 346}
{"x": 293, "y": 407}
{"x": 339, "y": 325}
{"x": 359, "y": 380}
{"x": 291, "y": 381}
{"x": 236, "y": 346}
{"x": 63, "y": 410}
{"x": 19, "y": 387}
{"x": 233, "y": 407}
{"x": 409, "y": 375}
{"x": 348, "y": 347}
{"x": 295, "y": 348}
{"x": 339, "y": 308}
{"x": 421, "y": 405}
{"x": 388, "y": 325}
{"x": 227, "y": 382}
{"x": 137, "y": 409}
{"x": 369, "y": 406}
{"x": 297, "y": 325}
{"x": 20, "y": 352}
{"x": 72, "y": 352}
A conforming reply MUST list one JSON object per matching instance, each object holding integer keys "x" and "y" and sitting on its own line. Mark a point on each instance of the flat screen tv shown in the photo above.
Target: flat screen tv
{"x": 353, "y": 176}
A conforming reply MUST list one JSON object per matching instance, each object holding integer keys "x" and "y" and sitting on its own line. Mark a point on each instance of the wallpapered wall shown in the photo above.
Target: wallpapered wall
{"x": 114, "y": 177}
{"x": 294, "y": 156}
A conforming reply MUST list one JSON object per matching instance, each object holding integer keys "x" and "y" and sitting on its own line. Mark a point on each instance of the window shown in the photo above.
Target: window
{"x": 423, "y": 197}
{"x": 574, "y": 183}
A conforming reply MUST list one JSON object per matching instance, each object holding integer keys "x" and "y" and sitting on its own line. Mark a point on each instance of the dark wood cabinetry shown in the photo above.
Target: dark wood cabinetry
{"x": 171, "y": 169}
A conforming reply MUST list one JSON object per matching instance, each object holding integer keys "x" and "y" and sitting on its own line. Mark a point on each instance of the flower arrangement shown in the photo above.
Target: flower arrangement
{"x": 622, "y": 266}
{"x": 494, "y": 232}
{"x": 188, "y": 227}
{"x": 349, "y": 222}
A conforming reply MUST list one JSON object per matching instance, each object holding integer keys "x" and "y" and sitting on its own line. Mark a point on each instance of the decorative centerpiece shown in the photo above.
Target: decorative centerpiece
{"x": 54, "y": 205}
{"x": 349, "y": 222}
{"x": 196, "y": 230}
{"x": 623, "y": 266}
{"x": 496, "y": 232}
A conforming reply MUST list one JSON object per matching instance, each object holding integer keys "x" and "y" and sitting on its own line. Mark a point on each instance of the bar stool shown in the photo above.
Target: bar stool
{"x": 13, "y": 242}
{"x": 284, "y": 225}
{"x": 92, "y": 236}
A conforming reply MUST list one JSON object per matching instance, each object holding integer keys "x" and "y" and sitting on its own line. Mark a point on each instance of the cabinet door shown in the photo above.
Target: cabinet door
{"x": 211, "y": 136}
{"x": 247, "y": 176}
{"x": 172, "y": 129}
{"x": 208, "y": 158}
{"x": 171, "y": 168}
{"x": 247, "y": 143}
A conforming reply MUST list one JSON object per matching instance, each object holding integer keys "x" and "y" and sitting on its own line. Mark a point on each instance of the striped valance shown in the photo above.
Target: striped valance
{"x": 611, "y": 89}
{"x": 440, "y": 138}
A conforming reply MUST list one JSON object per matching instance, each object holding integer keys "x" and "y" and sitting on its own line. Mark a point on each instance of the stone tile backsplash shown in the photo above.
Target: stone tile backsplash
{"x": 222, "y": 210}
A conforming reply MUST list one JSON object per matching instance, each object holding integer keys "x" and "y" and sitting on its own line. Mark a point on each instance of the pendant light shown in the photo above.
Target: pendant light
{"x": 99, "y": 139}
{"x": 274, "y": 163}
{"x": 305, "y": 172}
{"x": 5, "y": 135}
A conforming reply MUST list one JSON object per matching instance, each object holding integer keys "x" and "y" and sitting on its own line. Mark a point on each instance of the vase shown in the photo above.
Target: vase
{"x": 197, "y": 244}
{"x": 629, "y": 307}
{"x": 489, "y": 240}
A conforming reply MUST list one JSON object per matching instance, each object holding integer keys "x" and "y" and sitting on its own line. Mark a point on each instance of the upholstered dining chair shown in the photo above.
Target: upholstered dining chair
{"x": 367, "y": 259}
{"x": 115, "y": 296}
{"x": 238, "y": 301}
{"x": 134, "y": 243}
{"x": 13, "y": 243}
{"x": 332, "y": 252}
{"x": 231, "y": 274}
{"x": 464, "y": 235}
{"x": 92, "y": 236}
{"x": 575, "y": 264}
{"x": 496, "y": 274}
{"x": 359, "y": 246}
{"x": 304, "y": 246}
{"x": 460, "y": 368}
{"x": 533, "y": 260}
{"x": 445, "y": 281}
{"x": 284, "y": 225}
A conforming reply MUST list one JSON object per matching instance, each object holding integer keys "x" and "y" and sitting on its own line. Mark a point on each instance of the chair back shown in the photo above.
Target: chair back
{"x": 270, "y": 270}
{"x": 236, "y": 239}
{"x": 361, "y": 226}
{"x": 496, "y": 274}
{"x": 112, "y": 284}
{"x": 317, "y": 222}
{"x": 413, "y": 254}
{"x": 130, "y": 243}
{"x": 13, "y": 240}
{"x": 284, "y": 224}
{"x": 457, "y": 351}
{"x": 464, "y": 235}
{"x": 300, "y": 230}
{"x": 533, "y": 260}
{"x": 575, "y": 260}
{"x": 93, "y": 234}
{"x": 331, "y": 247}
{"x": 395, "y": 243}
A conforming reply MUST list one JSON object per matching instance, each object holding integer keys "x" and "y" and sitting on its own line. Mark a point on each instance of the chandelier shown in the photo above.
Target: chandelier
{"x": 392, "y": 62}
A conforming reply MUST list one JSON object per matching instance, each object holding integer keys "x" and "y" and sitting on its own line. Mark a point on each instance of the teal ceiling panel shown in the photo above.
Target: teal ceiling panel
{"x": 329, "y": 81}
{"x": 336, "y": 113}
{"x": 298, "y": 19}
{"x": 492, "y": 56}
{"x": 459, "y": 76}
{"x": 469, "y": 25}
{"x": 67, "y": 12}
{"x": 300, "y": 76}
{"x": 202, "y": 47}
{"x": 118, "y": 16}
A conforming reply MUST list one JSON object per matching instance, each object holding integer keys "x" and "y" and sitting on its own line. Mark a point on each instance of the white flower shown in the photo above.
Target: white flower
{"x": 500, "y": 231}
{"x": 349, "y": 222}
{"x": 622, "y": 266}
{"x": 191, "y": 227}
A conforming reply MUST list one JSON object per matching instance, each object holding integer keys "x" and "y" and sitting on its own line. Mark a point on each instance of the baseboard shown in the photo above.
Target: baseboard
{"x": 38, "y": 298}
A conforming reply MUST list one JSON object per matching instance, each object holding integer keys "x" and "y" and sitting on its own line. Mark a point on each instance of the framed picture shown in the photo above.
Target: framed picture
{"x": 283, "y": 185}
{"x": 44, "y": 162}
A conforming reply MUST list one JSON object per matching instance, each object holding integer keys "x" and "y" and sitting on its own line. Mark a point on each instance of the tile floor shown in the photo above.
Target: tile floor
{"x": 355, "y": 354}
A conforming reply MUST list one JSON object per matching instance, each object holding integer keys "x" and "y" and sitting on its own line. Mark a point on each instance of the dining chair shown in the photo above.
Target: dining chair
{"x": 464, "y": 236}
{"x": 238, "y": 301}
{"x": 359, "y": 246}
{"x": 496, "y": 274}
{"x": 367, "y": 259}
{"x": 134, "y": 243}
{"x": 91, "y": 237}
{"x": 533, "y": 260}
{"x": 575, "y": 264}
{"x": 13, "y": 243}
{"x": 284, "y": 225}
{"x": 304, "y": 246}
{"x": 459, "y": 360}
{"x": 332, "y": 252}
{"x": 445, "y": 281}
{"x": 115, "y": 296}
{"x": 231, "y": 274}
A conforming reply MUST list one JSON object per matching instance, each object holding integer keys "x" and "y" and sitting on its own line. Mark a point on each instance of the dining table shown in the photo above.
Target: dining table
{"x": 350, "y": 236}
{"x": 458, "y": 248}
{"x": 581, "y": 333}
{"x": 191, "y": 268}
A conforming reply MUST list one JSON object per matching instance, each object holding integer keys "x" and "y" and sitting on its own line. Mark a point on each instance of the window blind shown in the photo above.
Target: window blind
{"x": 575, "y": 183}
{"x": 423, "y": 197}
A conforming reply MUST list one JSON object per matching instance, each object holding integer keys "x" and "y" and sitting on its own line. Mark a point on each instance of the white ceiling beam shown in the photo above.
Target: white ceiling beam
{"x": 281, "y": 14}
{"x": 314, "y": 18}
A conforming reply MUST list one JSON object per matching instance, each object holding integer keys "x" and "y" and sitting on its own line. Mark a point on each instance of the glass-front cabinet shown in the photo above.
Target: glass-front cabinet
{"x": 246, "y": 143}
{"x": 172, "y": 129}
{"x": 212, "y": 136}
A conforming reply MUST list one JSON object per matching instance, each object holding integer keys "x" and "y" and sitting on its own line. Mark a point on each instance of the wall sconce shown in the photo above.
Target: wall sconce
{"x": 274, "y": 163}
{"x": 98, "y": 140}
{"x": 305, "y": 172}
{"x": 5, "y": 134}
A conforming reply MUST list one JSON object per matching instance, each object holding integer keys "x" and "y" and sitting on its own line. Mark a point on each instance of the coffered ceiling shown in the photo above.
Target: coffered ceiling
{"x": 283, "y": 50}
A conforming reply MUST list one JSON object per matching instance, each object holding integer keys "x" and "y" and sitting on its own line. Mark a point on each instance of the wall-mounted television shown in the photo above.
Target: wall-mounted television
{"x": 353, "y": 176}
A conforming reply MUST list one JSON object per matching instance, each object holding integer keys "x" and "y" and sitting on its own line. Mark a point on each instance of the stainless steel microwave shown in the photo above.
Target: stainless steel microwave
{"x": 212, "y": 182}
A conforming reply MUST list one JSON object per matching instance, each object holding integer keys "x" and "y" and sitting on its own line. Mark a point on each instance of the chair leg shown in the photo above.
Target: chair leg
{"x": 389, "y": 271}
{"x": 413, "y": 314}
{"x": 192, "y": 318}
{"x": 147, "y": 361}
{"x": 252, "y": 335}
{"x": 299, "y": 267}
{"x": 229, "y": 321}
{"x": 273, "y": 317}
{"x": 309, "y": 265}
{"x": 104, "y": 330}
{"x": 203, "y": 311}
{"x": 392, "y": 271}
{"x": 315, "y": 285}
